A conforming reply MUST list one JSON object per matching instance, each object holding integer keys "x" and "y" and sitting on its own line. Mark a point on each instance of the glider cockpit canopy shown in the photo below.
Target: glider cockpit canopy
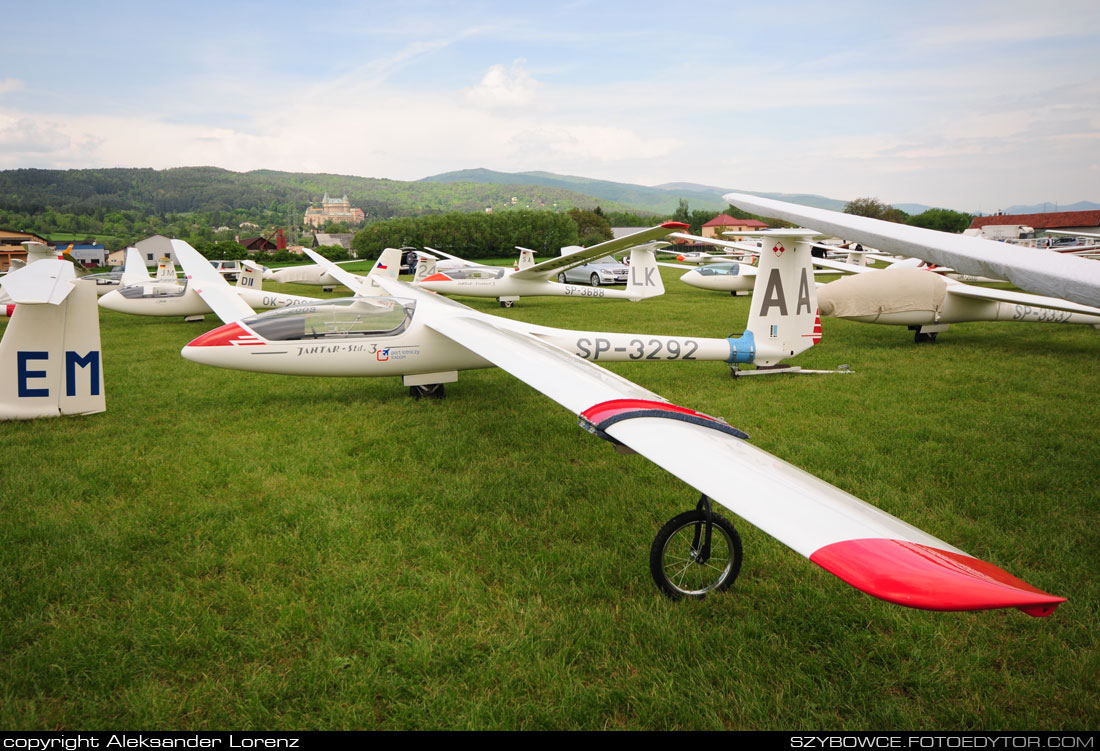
{"x": 339, "y": 318}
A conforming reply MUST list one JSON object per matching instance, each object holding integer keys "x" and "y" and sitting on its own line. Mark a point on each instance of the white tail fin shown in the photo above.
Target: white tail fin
{"x": 251, "y": 276}
{"x": 645, "y": 278}
{"x": 783, "y": 318}
{"x": 134, "y": 270}
{"x": 425, "y": 267}
{"x": 37, "y": 251}
{"x": 526, "y": 258}
{"x": 50, "y": 356}
{"x": 166, "y": 269}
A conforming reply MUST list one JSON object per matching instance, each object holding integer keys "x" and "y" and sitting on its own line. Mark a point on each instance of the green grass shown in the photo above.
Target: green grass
{"x": 236, "y": 550}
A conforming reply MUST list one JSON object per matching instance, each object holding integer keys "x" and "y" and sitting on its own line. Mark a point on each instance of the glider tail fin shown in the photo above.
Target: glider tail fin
{"x": 166, "y": 269}
{"x": 425, "y": 267}
{"x": 645, "y": 278}
{"x": 251, "y": 276}
{"x": 783, "y": 318}
{"x": 526, "y": 258}
{"x": 51, "y": 359}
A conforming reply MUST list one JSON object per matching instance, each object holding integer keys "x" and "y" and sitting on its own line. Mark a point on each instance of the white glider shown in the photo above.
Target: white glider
{"x": 508, "y": 285}
{"x": 1057, "y": 276}
{"x": 203, "y": 290}
{"x": 426, "y": 339}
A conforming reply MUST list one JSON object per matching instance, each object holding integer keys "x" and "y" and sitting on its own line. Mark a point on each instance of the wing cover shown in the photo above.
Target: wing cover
{"x": 1075, "y": 279}
{"x": 863, "y": 545}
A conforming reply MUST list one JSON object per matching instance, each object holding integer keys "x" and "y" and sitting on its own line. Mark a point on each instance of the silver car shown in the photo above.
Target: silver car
{"x": 605, "y": 270}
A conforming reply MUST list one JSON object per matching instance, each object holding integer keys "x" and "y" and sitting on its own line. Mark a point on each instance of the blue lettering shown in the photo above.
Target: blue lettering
{"x": 72, "y": 362}
{"x": 22, "y": 374}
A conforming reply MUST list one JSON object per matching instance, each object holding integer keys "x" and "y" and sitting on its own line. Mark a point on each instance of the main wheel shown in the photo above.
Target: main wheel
{"x": 427, "y": 391}
{"x": 594, "y": 280}
{"x": 675, "y": 560}
{"x": 507, "y": 303}
{"x": 920, "y": 338}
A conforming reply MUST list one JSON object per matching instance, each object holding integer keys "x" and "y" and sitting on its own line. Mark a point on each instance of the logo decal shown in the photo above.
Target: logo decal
{"x": 778, "y": 249}
{"x": 383, "y": 355}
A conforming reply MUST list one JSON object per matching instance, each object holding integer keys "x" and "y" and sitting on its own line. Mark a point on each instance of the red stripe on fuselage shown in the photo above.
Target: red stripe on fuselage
{"x": 224, "y": 336}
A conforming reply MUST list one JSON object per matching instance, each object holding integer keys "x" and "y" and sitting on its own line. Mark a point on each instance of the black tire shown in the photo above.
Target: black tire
{"x": 671, "y": 562}
{"x": 507, "y": 303}
{"x": 594, "y": 280}
{"x": 561, "y": 277}
{"x": 428, "y": 391}
{"x": 920, "y": 338}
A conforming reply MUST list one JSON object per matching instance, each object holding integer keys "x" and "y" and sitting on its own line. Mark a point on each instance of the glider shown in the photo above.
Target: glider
{"x": 1057, "y": 276}
{"x": 927, "y": 303}
{"x": 426, "y": 339}
{"x": 192, "y": 298}
{"x": 729, "y": 275}
{"x": 50, "y": 354}
{"x": 508, "y": 285}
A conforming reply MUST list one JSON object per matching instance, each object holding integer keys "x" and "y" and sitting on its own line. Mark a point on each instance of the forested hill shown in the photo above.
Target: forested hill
{"x": 209, "y": 189}
{"x": 639, "y": 197}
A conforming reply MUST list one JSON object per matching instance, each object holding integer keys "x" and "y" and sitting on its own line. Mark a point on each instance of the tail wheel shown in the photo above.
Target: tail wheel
{"x": 695, "y": 553}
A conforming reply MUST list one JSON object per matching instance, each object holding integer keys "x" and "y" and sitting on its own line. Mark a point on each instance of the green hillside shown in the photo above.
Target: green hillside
{"x": 207, "y": 189}
{"x": 660, "y": 199}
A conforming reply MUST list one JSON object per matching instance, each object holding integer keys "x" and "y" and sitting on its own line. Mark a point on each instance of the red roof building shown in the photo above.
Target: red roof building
{"x": 1062, "y": 220}
{"x": 726, "y": 223}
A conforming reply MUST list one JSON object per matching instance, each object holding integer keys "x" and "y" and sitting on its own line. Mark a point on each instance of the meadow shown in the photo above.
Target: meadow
{"x": 227, "y": 550}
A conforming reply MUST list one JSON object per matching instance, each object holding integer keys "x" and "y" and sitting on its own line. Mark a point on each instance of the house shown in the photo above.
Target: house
{"x": 154, "y": 248}
{"x": 723, "y": 223}
{"x": 1067, "y": 221}
{"x": 342, "y": 239}
{"x": 11, "y": 248}
{"x": 258, "y": 244}
{"x": 88, "y": 254}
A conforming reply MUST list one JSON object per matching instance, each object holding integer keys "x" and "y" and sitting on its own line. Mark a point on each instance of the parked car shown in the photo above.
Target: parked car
{"x": 228, "y": 269}
{"x": 605, "y": 270}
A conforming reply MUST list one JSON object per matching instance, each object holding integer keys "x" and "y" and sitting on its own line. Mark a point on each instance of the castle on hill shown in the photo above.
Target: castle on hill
{"x": 333, "y": 210}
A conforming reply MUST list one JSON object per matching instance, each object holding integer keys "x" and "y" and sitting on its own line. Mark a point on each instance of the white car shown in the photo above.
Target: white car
{"x": 606, "y": 270}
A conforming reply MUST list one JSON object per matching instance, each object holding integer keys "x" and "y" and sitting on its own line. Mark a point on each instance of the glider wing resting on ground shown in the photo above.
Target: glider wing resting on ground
{"x": 1059, "y": 276}
{"x": 50, "y": 357}
{"x": 426, "y": 339}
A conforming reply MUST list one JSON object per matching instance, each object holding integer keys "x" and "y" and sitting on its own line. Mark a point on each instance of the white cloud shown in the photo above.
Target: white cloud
{"x": 8, "y": 85}
{"x": 20, "y": 135}
{"x": 503, "y": 87}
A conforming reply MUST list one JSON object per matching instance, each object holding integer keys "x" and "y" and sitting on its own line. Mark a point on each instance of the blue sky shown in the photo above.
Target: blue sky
{"x": 971, "y": 105}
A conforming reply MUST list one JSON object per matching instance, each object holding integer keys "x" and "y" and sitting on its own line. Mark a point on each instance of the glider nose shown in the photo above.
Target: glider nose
{"x": 212, "y": 347}
{"x": 113, "y": 300}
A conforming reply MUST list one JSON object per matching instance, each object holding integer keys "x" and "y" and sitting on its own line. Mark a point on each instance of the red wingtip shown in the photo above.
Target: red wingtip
{"x": 437, "y": 278}
{"x": 920, "y": 576}
{"x": 676, "y": 225}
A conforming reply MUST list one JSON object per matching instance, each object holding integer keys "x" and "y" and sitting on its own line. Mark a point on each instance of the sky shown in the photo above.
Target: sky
{"x": 969, "y": 105}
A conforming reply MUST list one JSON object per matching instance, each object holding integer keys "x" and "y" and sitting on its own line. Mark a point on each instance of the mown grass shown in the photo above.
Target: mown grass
{"x": 235, "y": 550}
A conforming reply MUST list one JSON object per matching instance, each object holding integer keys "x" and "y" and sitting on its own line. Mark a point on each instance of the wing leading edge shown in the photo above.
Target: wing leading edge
{"x": 859, "y": 543}
{"x": 1075, "y": 279}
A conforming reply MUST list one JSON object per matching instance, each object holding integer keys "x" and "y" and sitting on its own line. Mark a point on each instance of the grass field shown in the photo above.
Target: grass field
{"x": 234, "y": 550}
